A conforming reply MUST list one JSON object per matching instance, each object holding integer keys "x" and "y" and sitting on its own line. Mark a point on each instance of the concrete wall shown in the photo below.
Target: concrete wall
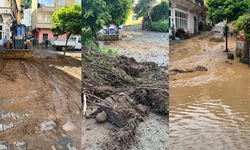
{"x": 131, "y": 22}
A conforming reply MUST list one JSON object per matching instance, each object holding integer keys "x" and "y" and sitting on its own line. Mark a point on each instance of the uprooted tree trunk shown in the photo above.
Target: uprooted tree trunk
{"x": 66, "y": 44}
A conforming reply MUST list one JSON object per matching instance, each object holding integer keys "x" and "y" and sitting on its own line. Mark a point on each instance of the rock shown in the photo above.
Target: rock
{"x": 102, "y": 117}
{"x": 230, "y": 56}
{"x": 87, "y": 116}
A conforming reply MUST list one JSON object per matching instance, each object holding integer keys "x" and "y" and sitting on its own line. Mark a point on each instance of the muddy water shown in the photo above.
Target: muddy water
{"x": 214, "y": 116}
{"x": 210, "y": 110}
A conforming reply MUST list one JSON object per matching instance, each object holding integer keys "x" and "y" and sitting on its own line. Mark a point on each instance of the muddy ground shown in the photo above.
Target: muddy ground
{"x": 200, "y": 52}
{"x": 152, "y": 133}
{"x": 40, "y": 102}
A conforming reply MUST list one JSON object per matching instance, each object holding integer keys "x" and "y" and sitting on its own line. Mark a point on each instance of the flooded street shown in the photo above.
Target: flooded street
{"x": 208, "y": 108}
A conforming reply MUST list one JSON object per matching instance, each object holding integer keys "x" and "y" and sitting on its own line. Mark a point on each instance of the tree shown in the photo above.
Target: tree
{"x": 218, "y": 10}
{"x": 97, "y": 13}
{"x": 243, "y": 23}
{"x": 67, "y": 20}
{"x": 27, "y": 3}
{"x": 161, "y": 12}
{"x": 143, "y": 7}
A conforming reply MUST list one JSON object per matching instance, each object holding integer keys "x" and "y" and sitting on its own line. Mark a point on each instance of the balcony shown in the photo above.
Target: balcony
{"x": 199, "y": 3}
{"x": 41, "y": 24}
{"x": 46, "y": 9}
{"x": 7, "y": 11}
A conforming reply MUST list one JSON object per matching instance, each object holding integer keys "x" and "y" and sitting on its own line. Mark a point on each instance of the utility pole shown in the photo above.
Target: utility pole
{"x": 226, "y": 37}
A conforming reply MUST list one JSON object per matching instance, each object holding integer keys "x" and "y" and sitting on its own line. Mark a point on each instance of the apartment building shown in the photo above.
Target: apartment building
{"x": 42, "y": 11}
{"x": 10, "y": 10}
{"x": 186, "y": 14}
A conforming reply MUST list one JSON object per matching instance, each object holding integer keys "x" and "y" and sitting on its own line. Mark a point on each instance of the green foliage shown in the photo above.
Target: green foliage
{"x": 161, "y": 18}
{"x": 27, "y": 3}
{"x": 160, "y": 26}
{"x": 108, "y": 52}
{"x": 226, "y": 9}
{"x": 143, "y": 7}
{"x": 97, "y": 13}
{"x": 67, "y": 20}
{"x": 243, "y": 23}
{"x": 161, "y": 12}
{"x": 214, "y": 39}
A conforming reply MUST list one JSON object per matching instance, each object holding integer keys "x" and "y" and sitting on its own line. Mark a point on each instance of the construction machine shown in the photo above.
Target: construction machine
{"x": 18, "y": 46}
{"x": 111, "y": 33}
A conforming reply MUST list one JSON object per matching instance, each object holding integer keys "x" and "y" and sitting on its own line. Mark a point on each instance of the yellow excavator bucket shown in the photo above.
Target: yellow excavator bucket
{"x": 17, "y": 54}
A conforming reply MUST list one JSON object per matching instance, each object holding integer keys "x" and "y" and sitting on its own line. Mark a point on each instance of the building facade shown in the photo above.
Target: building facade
{"x": 10, "y": 10}
{"x": 42, "y": 11}
{"x": 186, "y": 14}
{"x": 26, "y": 17}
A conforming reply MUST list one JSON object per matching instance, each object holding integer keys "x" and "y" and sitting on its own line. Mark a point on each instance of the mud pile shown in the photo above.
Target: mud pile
{"x": 124, "y": 90}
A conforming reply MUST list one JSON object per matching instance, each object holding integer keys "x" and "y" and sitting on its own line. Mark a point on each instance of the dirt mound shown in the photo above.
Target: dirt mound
{"x": 127, "y": 91}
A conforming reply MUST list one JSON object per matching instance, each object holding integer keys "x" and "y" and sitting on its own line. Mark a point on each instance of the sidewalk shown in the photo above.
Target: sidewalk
{"x": 179, "y": 41}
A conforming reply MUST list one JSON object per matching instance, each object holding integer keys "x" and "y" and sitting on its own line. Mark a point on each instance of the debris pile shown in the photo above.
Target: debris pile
{"x": 124, "y": 92}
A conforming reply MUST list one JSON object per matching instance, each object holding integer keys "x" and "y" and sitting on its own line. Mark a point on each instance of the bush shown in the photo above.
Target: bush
{"x": 214, "y": 39}
{"x": 160, "y": 26}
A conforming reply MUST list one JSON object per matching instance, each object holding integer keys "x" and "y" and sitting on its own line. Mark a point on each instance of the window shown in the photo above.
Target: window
{"x": 78, "y": 2}
{"x": 47, "y": 2}
{"x": 46, "y": 18}
{"x": 45, "y": 37}
{"x": 135, "y": 18}
{"x": 1, "y": 27}
{"x": 181, "y": 19}
{"x": 62, "y": 2}
{"x": 72, "y": 39}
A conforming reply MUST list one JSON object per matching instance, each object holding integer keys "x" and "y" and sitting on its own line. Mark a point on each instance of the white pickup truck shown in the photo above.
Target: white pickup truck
{"x": 74, "y": 42}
